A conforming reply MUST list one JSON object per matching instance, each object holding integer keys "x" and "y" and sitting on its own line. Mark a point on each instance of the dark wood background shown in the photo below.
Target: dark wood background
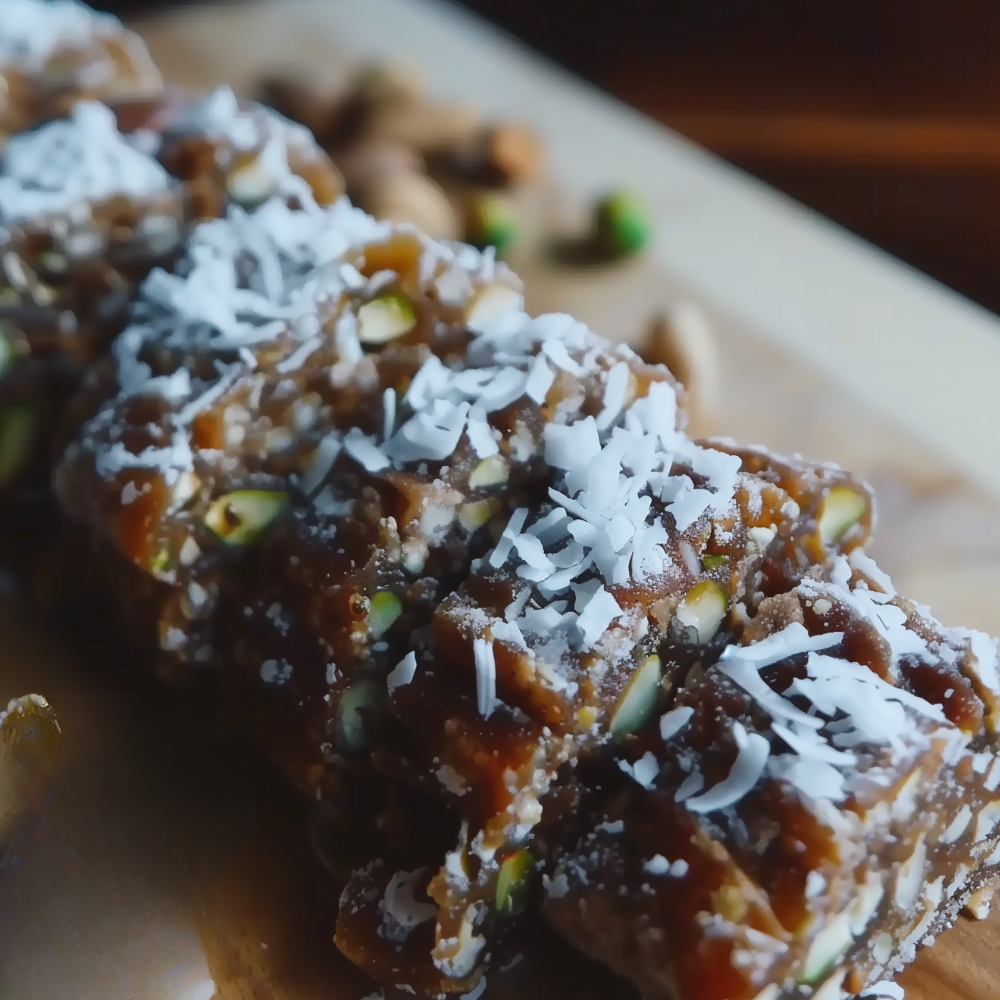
{"x": 882, "y": 114}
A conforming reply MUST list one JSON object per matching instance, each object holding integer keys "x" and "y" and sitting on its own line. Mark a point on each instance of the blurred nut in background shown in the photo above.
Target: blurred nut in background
{"x": 681, "y": 337}
{"x": 430, "y": 129}
{"x": 302, "y": 101}
{"x": 414, "y": 198}
{"x": 373, "y": 161}
{"x": 491, "y": 156}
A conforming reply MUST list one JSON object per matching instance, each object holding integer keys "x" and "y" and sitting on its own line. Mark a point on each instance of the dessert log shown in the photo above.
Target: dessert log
{"x": 458, "y": 573}
{"x": 461, "y": 576}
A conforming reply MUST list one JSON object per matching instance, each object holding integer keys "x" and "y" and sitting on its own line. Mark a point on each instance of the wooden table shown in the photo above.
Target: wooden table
{"x": 829, "y": 348}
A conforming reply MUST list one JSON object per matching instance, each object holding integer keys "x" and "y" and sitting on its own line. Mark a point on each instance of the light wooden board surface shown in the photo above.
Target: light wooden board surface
{"x": 828, "y": 348}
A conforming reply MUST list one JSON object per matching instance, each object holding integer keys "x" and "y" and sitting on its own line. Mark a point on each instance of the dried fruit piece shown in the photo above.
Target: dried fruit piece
{"x": 386, "y": 317}
{"x": 842, "y": 508}
{"x": 384, "y": 609}
{"x": 621, "y": 225}
{"x": 241, "y": 517}
{"x": 703, "y": 609}
{"x": 18, "y": 432}
{"x": 638, "y": 701}
{"x": 514, "y": 882}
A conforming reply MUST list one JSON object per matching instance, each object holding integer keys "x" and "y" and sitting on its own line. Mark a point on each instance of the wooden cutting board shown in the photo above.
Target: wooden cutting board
{"x": 162, "y": 862}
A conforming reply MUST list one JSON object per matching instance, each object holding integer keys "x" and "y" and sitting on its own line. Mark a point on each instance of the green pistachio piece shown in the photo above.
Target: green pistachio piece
{"x": 240, "y": 518}
{"x": 638, "y": 701}
{"x": 714, "y": 562}
{"x": 492, "y": 222}
{"x": 19, "y": 427}
{"x": 621, "y": 224}
{"x": 52, "y": 262}
{"x": 827, "y": 947}
{"x": 491, "y": 471}
{"x": 161, "y": 562}
{"x": 359, "y": 712}
{"x": 8, "y": 336}
{"x": 514, "y": 882}
{"x": 841, "y": 509}
{"x": 704, "y": 607}
{"x": 252, "y": 183}
{"x": 384, "y": 609}
{"x": 474, "y": 515}
{"x": 490, "y": 303}
{"x": 386, "y": 317}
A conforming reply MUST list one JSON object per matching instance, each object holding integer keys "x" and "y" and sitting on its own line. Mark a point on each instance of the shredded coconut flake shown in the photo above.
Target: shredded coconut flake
{"x": 403, "y": 672}
{"x": 751, "y": 757}
{"x": 486, "y": 676}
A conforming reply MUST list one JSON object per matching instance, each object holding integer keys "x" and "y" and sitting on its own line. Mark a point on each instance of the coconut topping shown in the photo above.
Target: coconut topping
{"x": 402, "y": 911}
{"x": 219, "y": 117}
{"x": 33, "y": 30}
{"x": 65, "y": 167}
{"x": 850, "y": 708}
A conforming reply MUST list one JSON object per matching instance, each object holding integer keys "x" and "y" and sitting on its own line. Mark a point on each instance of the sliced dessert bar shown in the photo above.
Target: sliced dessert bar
{"x": 817, "y": 802}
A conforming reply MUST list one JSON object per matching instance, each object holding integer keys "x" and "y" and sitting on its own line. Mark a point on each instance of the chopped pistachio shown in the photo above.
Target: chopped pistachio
{"x": 703, "y": 609}
{"x": 492, "y": 222}
{"x": 714, "y": 562}
{"x": 251, "y": 183}
{"x": 189, "y": 552}
{"x": 826, "y": 948}
{"x": 514, "y": 881}
{"x": 240, "y": 518}
{"x": 18, "y": 433}
{"x": 161, "y": 562}
{"x": 358, "y": 713}
{"x": 185, "y": 489}
{"x": 841, "y": 509}
{"x": 621, "y": 224}
{"x": 638, "y": 701}
{"x": 384, "y": 609}
{"x": 42, "y": 294}
{"x": 52, "y": 262}
{"x": 490, "y": 303}
{"x": 474, "y": 515}
{"x": 7, "y": 336}
{"x": 386, "y": 317}
{"x": 491, "y": 471}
